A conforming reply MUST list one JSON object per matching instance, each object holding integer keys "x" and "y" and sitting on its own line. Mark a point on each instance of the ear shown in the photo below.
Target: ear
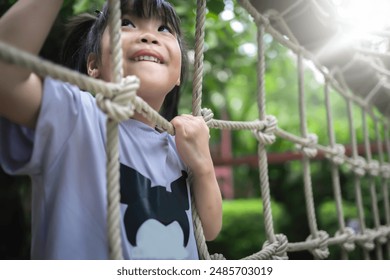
{"x": 92, "y": 66}
{"x": 178, "y": 82}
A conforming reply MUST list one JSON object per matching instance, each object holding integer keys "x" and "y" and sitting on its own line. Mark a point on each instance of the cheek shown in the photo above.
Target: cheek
{"x": 105, "y": 68}
{"x": 105, "y": 59}
{"x": 177, "y": 61}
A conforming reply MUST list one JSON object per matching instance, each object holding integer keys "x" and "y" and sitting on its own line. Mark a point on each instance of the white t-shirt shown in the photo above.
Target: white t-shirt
{"x": 65, "y": 158}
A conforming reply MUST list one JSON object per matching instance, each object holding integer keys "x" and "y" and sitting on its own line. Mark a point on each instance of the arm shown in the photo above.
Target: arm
{"x": 192, "y": 141}
{"x": 25, "y": 25}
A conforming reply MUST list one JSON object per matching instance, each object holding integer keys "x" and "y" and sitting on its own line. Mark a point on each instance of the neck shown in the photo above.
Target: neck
{"x": 139, "y": 117}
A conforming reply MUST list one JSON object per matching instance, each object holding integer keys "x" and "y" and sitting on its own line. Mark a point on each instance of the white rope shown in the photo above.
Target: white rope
{"x": 119, "y": 101}
{"x": 112, "y": 144}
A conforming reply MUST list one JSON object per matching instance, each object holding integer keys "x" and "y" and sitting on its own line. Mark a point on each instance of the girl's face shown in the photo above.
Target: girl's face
{"x": 151, "y": 52}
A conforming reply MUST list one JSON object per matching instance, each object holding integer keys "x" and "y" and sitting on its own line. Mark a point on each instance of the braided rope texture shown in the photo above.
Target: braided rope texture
{"x": 119, "y": 101}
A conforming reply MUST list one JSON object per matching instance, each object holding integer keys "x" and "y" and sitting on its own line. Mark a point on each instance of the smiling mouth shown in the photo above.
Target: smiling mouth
{"x": 147, "y": 58}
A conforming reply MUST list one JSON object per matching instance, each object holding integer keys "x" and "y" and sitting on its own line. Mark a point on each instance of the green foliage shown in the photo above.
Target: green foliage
{"x": 89, "y": 6}
{"x": 328, "y": 214}
{"x": 4, "y": 5}
{"x": 230, "y": 85}
{"x": 243, "y": 231}
{"x": 328, "y": 220}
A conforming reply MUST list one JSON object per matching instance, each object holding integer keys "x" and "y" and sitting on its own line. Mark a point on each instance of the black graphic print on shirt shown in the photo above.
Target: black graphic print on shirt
{"x": 155, "y": 220}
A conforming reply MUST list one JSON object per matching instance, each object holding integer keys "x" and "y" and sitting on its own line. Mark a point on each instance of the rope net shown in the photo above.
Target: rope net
{"x": 119, "y": 101}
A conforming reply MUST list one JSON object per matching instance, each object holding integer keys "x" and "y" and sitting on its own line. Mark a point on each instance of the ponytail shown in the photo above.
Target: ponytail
{"x": 73, "y": 51}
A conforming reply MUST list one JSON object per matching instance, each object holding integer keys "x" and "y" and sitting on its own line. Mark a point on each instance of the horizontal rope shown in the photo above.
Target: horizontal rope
{"x": 119, "y": 101}
{"x": 368, "y": 236}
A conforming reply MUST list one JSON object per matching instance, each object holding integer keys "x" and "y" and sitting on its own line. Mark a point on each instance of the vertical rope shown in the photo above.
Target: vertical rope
{"x": 334, "y": 169}
{"x": 198, "y": 232}
{"x": 305, "y": 159}
{"x": 262, "y": 154}
{"x": 113, "y": 213}
{"x": 384, "y": 180}
{"x": 196, "y": 109}
{"x": 374, "y": 199}
{"x": 198, "y": 64}
{"x": 113, "y": 195}
{"x": 358, "y": 194}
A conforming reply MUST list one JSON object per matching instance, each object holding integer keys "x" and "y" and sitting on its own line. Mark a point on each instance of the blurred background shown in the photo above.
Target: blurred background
{"x": 230, "y": 91}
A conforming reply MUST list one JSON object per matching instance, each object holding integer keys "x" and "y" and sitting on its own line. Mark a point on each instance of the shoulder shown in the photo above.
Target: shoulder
{"x": 62, "y": 89}
{"x": 66, "y": 98}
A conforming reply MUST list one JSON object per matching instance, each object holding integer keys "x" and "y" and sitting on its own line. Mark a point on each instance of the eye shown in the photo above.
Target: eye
{"x": 165, "y": 28}
{"x": 127, "y": 22}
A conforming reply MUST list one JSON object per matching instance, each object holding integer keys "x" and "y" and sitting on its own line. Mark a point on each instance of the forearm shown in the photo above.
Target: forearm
{"x": 192, "y": 142}
{"x": 25, "y": 26}
{"x": 208, "y": 202}
{"x": 27, "y": 23}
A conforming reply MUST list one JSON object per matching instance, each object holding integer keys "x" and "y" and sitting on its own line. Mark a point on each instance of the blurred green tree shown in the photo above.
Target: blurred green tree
{"x": 230, "y": 85}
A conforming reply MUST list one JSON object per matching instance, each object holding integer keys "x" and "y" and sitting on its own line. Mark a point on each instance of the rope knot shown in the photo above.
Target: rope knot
{"x": 266, "y": 135}
{"x": 369, "y": 241}
{"x": 266, "y": 22}
{"x": 366, "y": 240}
{"x": 322, "y": 251}
{"x": 385, "y": 170}
{"x": 348, "y": 233}
{"x": 373, "y": 168}
{"x": 119, "y": 104}
{"x": 337, "y": 154}
{"x": 309, "y": 148}
{"x": 383, "y": 232}
{"x": 281, "y": 245}
{"x": 217, "y": 257}
{"x": 207, "y": 114}
{"x": 358, "y": 166}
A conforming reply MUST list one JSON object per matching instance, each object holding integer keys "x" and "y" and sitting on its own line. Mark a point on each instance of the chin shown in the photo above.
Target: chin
{"x": 154, "y": 87}
{"x": 153, "y": 96}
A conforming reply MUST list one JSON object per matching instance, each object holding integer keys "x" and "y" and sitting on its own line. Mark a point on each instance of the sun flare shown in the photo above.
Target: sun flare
{"x": 365, "y": 16}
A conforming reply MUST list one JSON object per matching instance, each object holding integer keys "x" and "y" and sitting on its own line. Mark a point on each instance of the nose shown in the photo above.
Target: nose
{"x": 148, "y": 38}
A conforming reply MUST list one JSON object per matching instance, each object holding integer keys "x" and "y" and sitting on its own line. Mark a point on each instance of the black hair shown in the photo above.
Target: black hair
{"x": 85, "y": 31}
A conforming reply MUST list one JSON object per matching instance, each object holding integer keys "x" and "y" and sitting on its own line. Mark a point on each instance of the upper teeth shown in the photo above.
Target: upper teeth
{"x": 147, "y": 58}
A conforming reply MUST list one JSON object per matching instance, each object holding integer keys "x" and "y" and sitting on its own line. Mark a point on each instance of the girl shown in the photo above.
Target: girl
{"x": 54, "y": 132}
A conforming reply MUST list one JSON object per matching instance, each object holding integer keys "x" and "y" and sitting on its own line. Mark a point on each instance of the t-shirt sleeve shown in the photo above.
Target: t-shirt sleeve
{"x": 26, "y": 151}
